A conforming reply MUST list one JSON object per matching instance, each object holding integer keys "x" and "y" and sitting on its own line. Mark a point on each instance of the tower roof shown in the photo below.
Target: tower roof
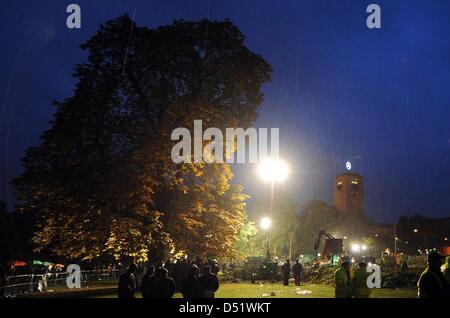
{"x": 347, "y": 173}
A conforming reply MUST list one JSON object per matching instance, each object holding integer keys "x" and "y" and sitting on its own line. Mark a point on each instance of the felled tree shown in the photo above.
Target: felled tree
{"x": 99, "y": 176}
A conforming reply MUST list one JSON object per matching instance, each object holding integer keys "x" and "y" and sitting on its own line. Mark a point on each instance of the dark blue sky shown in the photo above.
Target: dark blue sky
{"x": 340, "y": 91}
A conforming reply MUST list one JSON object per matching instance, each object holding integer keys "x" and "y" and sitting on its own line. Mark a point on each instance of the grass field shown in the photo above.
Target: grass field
{"x": 267, "y": 290}
{"x": 307, "y": 291}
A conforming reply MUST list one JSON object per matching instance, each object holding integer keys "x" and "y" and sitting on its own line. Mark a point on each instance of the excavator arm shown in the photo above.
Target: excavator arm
{"x": 317, "y": 243}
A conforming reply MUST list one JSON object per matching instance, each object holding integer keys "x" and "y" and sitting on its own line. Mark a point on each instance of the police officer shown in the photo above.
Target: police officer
{"x": 360, "y": 289}
{"x": 286, "y": 271}
{"x": 432, "y": 283}
{"x": 297, "y": 269}
{"x": 209, "y": 283}
{"x": 343, "y": 280}
{"x": 127, "y": 282}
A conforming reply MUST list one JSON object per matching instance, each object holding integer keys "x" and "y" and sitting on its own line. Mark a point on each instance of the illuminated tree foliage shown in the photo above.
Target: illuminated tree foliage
{"x": 102, "y": 181}
{"x": 296, "y": 226}
{"x": 247, "y": 244}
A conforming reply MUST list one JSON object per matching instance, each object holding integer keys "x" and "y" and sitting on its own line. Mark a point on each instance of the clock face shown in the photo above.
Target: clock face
{"x": 348, "y": 165}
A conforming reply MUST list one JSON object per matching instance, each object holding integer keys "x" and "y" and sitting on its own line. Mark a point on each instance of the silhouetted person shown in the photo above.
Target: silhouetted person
{"x": 148, "y": 282}
{"x": 199, "y": 262}
{"x": 190, "y": 287}
{"x": 404, "y": 267}
{"x": 215, "y": 268}
{"x": 432, "y": 283}
{"x": 297, "y": 269}
{"x": 286, "y": 271}
{"x": 169, "y": 266}
{"x": 163, "y": 285}
{"x": 209, "y": 283}
{"x": 127, "y": 282}
{"x": 179, "y": 272}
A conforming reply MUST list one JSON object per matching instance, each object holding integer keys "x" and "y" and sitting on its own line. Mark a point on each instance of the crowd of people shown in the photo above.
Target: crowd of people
{"x": 198, "y": 279}
{"x": 434, "y": 282}
{"x": 192, "y": 280}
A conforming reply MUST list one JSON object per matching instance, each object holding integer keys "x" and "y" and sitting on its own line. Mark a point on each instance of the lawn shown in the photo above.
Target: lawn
{"x": 248, "y": 290}
{"x": 267, "y": 290}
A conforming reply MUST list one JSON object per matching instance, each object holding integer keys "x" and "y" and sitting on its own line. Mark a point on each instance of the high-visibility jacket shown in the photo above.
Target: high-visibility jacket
{"x": 431, "y": 284}
{"x": 360, "y": 289}
{"x": 446, "y": 270}
{"x": 343, "y": 281}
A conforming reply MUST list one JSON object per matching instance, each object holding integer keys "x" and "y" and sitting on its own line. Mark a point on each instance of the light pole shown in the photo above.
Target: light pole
{"x": 291, "y": 236}
{"x": 271, "y": 171}
{"x": 395, "y": 239}
{"x": 266, "y": 224}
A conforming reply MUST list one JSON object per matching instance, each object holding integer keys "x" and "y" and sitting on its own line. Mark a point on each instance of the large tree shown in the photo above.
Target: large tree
{"x": 102, "y": 180}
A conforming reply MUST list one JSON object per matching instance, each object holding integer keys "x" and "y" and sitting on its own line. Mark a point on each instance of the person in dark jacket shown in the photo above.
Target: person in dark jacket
{"x": 127, "y": 282}
{"x": 404, "y": 267}
{"x": 190, "y": 287}
{"x": 209, "y": 283}
{"x": 163, "y": 285}
{"x": 3, "y": 279}
{"x": 286, "y": 271}
{"x": 215, "y": 268}
{"x": 297, "y": 269}
{"x": 148, "y": 282}
{"x": 432, "y": 283}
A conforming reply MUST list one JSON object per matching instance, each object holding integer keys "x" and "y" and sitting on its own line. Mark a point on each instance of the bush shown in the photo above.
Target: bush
{"x": 401, "y": 280}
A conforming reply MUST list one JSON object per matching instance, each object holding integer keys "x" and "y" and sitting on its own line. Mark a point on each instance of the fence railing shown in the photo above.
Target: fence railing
{"x": 31, "y": 283}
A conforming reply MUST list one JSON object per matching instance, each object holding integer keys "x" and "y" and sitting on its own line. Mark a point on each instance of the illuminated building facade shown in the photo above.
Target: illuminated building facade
{"x": 349, "y": 193}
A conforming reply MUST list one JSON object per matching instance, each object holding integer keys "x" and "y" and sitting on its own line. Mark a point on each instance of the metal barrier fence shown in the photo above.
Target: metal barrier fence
{"x": 30, "y": 283}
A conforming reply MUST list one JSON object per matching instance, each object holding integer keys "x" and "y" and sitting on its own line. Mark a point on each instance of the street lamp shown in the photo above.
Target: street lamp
{"x": 356, "y": 247}
{"x": 266, "y": 223}
{"x": 272, "y": 171}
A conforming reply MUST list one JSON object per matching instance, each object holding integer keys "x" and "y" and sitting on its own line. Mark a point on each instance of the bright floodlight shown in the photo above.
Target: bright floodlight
{"x": 272, "y": 170}
{"x": 266, "y": 223}
{"x": 364, "y": 247}
{"x": 356, "y": 247}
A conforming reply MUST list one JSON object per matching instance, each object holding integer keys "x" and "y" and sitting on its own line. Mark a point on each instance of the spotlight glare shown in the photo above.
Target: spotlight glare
{"x": 266, "y": 223}
{"x": 272, "y": 170}
{"x": 356, "y": 247}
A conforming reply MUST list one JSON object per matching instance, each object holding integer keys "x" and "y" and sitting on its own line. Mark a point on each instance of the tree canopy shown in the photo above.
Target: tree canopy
{"x": 102, "y": 182}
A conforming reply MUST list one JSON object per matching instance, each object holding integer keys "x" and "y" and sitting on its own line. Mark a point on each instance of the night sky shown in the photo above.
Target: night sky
{"x": 340, "y": 91}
